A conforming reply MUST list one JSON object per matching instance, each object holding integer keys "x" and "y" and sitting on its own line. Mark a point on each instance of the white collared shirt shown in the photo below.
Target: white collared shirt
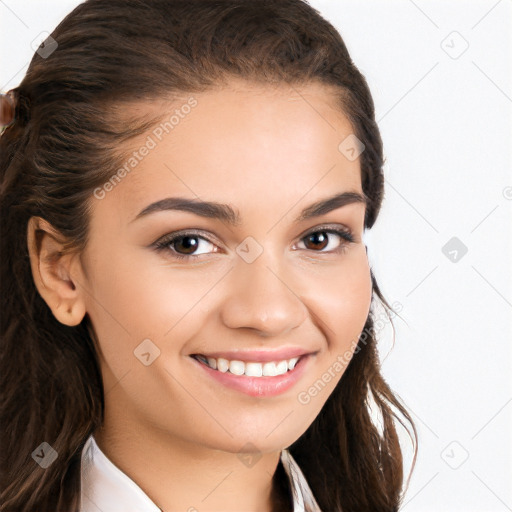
{"x": 105, "y": 488}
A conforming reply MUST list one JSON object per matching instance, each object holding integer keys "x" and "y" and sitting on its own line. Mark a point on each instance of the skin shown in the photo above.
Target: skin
{"x": 269, "y": 152}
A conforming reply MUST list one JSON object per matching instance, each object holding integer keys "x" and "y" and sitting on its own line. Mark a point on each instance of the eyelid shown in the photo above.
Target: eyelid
{"x": 326, "y": 227}
{"x": 192, "y": 231}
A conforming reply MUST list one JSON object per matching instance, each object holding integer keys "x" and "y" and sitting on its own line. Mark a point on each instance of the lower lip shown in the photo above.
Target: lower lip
{"x": 259, "y": 386}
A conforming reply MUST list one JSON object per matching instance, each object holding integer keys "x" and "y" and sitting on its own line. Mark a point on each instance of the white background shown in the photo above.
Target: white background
{"x": 445, "y": 114}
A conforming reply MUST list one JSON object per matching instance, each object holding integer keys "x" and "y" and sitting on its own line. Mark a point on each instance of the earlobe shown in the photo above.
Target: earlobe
{"x": 52, "y": 271}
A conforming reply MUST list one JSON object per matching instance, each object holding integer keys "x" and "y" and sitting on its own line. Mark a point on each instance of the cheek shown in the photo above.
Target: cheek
{"x": 343, "y": 301}
{"x": 341, "y": 309}
{"x": 137, "y": 290}
{"x": 135, "y": 295}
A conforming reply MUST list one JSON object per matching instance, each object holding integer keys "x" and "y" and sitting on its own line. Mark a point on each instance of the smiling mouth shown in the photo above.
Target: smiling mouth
{"x": 248, "y": 368}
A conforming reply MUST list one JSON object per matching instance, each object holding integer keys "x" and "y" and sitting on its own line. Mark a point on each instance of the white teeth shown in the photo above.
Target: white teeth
{"x": 253, "y": 370}
{"x": 282, "y": 367}
{"x": 237, "y": 367}
{"x": 269, "y": 369}
{"x": 292, "y": 362}
{"x": 250, "y": 369}
{"x": 222, "y": 365}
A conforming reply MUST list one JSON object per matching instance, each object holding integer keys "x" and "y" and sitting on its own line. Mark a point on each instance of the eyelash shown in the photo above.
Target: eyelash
{"x": 164, "y": 243}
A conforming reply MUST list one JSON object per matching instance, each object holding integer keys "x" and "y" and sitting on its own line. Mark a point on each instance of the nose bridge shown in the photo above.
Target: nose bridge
{"x": 260, "y": 298}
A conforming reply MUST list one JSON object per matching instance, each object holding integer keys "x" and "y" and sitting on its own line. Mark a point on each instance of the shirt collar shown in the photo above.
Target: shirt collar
{"x": 105, "y": 488}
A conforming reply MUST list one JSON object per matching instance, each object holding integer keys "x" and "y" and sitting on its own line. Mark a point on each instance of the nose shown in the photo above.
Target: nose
{"x": 261, "y": 299}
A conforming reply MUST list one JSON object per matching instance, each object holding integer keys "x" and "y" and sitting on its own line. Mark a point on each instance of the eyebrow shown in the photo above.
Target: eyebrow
{"x": 226, "y": 213}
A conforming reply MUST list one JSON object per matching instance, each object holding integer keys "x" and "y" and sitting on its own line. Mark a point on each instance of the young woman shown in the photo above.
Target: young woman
{"x": 187, "y": 320}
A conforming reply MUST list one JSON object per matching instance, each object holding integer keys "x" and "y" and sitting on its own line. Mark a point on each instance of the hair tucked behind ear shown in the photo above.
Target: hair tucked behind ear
{"x": 64, "y": 143}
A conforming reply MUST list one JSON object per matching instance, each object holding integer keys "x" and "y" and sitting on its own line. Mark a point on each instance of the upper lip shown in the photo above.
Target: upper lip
{"x": 259, "y": 356}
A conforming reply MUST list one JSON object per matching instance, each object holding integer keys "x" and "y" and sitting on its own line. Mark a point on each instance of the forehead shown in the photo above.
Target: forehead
{"x": 243, "y": 143}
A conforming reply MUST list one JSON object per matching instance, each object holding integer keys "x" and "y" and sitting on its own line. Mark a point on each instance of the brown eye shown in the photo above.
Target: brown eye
{"x": 318, "y": 240}
{"x": 334, "y": 240}
{"x": 186, "y": 244}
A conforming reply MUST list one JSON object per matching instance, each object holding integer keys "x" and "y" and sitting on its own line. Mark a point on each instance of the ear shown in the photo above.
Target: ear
{"x": 55, "y": 273}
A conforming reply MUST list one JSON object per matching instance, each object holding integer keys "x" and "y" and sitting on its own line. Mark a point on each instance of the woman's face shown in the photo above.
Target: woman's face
{"x": 277, "y": 280}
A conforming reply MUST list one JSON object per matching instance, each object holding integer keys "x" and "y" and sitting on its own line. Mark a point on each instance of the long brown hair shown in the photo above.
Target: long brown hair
{"x": 64, "y": 143}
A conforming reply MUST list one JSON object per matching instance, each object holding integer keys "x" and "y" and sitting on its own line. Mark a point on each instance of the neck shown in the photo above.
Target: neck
{"x": 178, "y": 475}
